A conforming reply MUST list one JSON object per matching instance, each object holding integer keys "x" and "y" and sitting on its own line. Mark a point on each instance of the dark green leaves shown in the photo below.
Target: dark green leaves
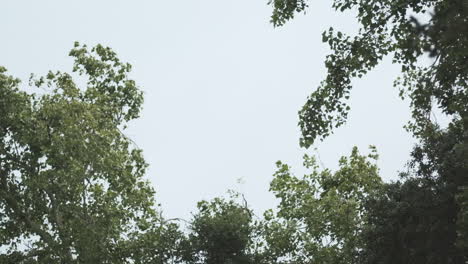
{"x": 388, "y": 29}
{"x": 221, "y": 232}
{"x": 284, "y": 10}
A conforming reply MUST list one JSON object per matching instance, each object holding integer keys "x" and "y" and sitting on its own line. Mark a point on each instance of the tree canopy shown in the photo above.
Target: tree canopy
{"x": 397, "y": 29}
{"x": 72, "y": 186}
{"x": 422, "y": 217}
{"x": 321, "y": 215}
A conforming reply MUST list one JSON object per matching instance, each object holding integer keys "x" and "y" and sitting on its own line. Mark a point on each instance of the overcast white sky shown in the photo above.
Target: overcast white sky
{"x": 222, "y": 87}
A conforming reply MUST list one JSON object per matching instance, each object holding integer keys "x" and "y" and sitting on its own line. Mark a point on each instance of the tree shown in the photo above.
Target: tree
{"x": 411, "y": 222}
{"x": 462, "y": 222}
{"x": 389, "y": 27}
{"x": 442, "y": 157}
{"x": 222, "y": 231}
{"x": 421, "y": 219}
{"x": 320, "y": 216}
{"x": 71, "y": 183}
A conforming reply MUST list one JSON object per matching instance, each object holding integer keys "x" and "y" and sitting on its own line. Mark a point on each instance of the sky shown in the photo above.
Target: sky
{"x": 222, "y": 88}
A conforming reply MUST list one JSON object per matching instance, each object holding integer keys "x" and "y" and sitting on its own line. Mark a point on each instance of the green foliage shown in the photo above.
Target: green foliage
{"x": 389, "y": 27}
{"x": 320, "y": 215}
{"x": 284, "y": 10}
{"x": 411, "y": 222}
{"x": 442, "y": 159}
{"x": 462, "y": 222}
{"x": 220, "y": 232}
{"x": 421, "y": 219}
{"x": 71, "y": 184}
{"x": 160, "y": 244}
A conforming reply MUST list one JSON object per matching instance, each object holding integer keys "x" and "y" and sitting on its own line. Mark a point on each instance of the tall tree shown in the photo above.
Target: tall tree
{"x": 421, "y": 219}
{"x": 72, "y": 186}
{"x": 222, "y": 231}
{"x": 321, "y": 215}
{"x": 390, "y": 28}
{"x": 413, "y": 221}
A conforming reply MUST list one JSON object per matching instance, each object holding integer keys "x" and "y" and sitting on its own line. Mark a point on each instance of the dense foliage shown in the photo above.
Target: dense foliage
{"x": 221, "y": 232}
{"x": 321, "y": 215}
{"x": 72, "y": 186}
{"x": 422, "y": 217}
